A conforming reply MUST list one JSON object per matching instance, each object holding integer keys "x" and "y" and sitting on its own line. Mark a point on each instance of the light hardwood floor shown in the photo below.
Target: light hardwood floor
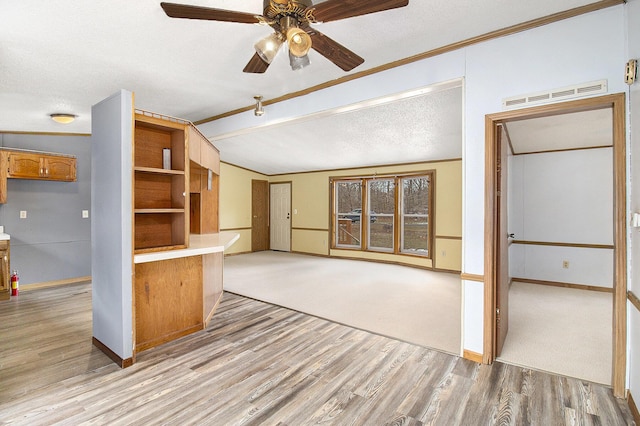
{"x": 261, "y": 364}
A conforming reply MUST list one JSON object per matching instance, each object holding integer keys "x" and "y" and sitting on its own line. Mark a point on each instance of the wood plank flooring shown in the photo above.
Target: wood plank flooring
{"x": 259, "y": 364}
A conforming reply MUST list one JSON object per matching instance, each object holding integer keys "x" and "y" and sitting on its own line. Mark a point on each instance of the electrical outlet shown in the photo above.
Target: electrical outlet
{"x": 565, "y": 264}
{"x": 23, "y": 214}
{"x": 85, "y": 214}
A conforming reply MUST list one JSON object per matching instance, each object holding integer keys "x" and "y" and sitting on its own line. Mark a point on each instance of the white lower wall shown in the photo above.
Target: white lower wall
{"x": 587, "y": 266}
{"x": 472, "y": 316}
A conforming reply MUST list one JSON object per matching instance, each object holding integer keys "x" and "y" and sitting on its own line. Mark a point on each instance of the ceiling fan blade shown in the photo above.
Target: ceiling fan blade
{"x": 175, "y": 10}
{"x": 333, "y": 51}
{"x": 256, "y": 65}
{"x": 332, "y": 10}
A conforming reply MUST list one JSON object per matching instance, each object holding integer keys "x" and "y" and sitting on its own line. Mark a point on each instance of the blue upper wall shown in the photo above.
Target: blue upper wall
{"x": 54, "y": 241}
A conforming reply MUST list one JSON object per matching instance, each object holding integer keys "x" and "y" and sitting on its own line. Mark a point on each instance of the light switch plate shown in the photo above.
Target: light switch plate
{"x": 85, "y": 214}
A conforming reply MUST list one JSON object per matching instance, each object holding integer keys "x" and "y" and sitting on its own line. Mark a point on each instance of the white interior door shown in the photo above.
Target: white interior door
{"x": 280, "y": 216}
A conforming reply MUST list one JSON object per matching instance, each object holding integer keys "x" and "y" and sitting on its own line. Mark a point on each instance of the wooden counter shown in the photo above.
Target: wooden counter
{"x": 177, "y": 291}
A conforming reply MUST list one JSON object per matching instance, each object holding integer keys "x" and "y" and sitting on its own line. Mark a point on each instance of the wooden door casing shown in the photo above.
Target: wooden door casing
{"x": 502, "y": 243}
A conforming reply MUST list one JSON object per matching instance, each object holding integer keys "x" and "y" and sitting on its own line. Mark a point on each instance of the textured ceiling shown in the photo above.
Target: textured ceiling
{"x": 66, "y": 55}
{"x": 417, "y": 128}
{"x": 562, "y": 132}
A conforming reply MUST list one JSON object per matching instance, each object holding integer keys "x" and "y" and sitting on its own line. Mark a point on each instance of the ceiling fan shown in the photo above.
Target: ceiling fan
{"x": 291, "y": 21}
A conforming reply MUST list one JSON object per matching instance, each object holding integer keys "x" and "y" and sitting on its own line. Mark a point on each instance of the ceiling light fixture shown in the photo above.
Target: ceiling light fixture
{"x": 268, "y": 47}
{"x": 298, "y": 62}
{"x": 299, "y": 42}
{"x": 62, "y": 118}
{"x": 259, "y": 109}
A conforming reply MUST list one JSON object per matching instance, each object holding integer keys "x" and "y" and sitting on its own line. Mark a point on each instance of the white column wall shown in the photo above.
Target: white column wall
{"x": 111, "y": 227}
{"x": 633, "y": 43}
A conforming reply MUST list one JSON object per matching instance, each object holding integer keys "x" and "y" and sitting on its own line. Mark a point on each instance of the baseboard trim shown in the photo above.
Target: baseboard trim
{"x": 123, "y": 363}
{"x": 47, "y": 284}
{"x": 237, "y": 253}
{"x": 633, "y": 408}
{"x": 472, "y": 277}
{"x": 472, "y": 356}
{"x": 564, "y": 285}
{"x": 633, "y": 299}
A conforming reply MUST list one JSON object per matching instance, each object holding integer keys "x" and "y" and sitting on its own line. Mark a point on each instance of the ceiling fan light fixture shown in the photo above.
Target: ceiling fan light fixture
{"x": 259, "y": 110}
{"x": 268, "y": 47}
{"x": 298, "y": 62}
{"x": 299, "y": 42}
{"x": 62, "y": 118}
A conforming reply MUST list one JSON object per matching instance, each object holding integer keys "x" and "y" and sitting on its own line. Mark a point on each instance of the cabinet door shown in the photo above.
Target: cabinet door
{"x": 25, "y": 165}
{"x": 41, "y": 166}
{"x": 60, "y": 168}
{"x": 210, "y": 157}
{"x": 194, "y": 145}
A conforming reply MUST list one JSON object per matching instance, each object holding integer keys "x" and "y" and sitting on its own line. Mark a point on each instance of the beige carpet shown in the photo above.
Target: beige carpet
{"x": 409, "y": 304}
{"x": 560, "y": 330}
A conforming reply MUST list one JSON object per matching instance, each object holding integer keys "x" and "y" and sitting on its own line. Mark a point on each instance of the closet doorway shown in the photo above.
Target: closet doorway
{"x": 496, "y": 278}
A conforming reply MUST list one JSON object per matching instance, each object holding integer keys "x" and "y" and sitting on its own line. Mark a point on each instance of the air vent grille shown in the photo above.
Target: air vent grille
{"x": 563, "y": 93}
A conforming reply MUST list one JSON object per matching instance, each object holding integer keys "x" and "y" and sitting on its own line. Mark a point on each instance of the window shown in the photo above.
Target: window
{"x": 414, "y": 219}
{"x": 348, "y": 205}
{"x": 397, "y": 217}
{"x": 382, "y": 206}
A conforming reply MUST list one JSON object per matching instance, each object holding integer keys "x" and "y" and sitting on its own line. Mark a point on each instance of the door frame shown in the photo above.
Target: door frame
{"x": 617, "y": 104}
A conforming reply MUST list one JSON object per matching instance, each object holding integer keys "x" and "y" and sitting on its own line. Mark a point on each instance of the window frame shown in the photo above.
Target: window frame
{"x": 429, "y": 215}
{"x": 335, "y": 228}
{"x": 369, "y": 211}
{"x": 397, "y": 216}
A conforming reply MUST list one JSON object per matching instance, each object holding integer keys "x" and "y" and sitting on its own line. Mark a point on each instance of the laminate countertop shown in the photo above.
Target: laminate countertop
{"x": 199, "y": 244}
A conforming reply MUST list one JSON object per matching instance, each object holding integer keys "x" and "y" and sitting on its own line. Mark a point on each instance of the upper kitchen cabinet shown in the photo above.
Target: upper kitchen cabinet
{"x": 40, "y": 165}
{"x": 202, "y": 152}
{"x": 27, "y": 164}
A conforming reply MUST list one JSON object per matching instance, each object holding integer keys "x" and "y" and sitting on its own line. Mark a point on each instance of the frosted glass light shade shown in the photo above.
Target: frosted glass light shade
{"x": 268, "y": 47}
{"x": 298, "y": 62}
{"x": 63, "y": 118}
{"x": 299, "y": 41}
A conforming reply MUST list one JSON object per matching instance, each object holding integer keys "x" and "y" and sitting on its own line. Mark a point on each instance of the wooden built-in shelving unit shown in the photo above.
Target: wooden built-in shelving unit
{"x": 160, "y": 195}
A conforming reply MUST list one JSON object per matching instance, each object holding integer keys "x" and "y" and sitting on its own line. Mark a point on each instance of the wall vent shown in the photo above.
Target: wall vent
{"x": 561, "y": 94}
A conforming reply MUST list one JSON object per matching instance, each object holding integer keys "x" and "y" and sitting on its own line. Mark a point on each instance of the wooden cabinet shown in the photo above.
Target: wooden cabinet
{"x": 204, "y": 184}
{"x": 168, "y": 300}
{"x": 5, "y": 272}
{"x": 160, "y": 190}
{"x": 25, "y": 164}
{"x": 202, "y": 152}
{"x": 33, "y": 165}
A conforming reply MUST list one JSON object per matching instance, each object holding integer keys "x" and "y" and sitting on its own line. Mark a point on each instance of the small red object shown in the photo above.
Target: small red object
{"x": 15, "y": 282}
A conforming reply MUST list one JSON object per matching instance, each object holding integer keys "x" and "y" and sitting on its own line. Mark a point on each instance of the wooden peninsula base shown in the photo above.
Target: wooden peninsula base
{"x": 177, "y": 291}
